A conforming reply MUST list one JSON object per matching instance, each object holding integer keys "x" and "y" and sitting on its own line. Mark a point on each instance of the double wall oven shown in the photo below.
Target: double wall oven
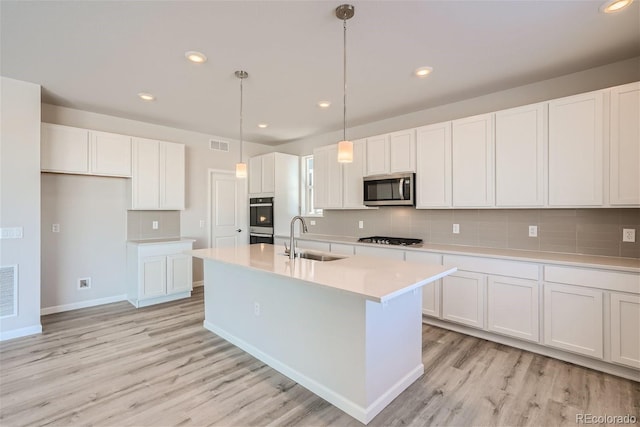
{"x": 261, "y": 220}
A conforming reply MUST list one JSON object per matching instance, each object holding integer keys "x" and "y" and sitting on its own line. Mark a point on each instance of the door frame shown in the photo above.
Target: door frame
{"x": 243, "y": 203}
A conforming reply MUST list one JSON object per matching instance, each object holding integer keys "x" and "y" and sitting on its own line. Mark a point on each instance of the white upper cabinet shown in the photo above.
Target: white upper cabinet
{"x": 110, "y": 154}
{"x": 352, "y": 197}
{"x": 66, "y": 149}
{"x": 520, "y": 163}
{"x": 391, "y": 153}
{"x": 262, "y": 174}
{"x": 339, "y": 185}
{"x": 402, "y": 151}
{"x": 158, "y": 178}
{"x": 327, "y": 178}
{"x": 624, "y": 148}
{"x": 472, "y": 158}
{"x": 433, "y": 166}
{"x": 377, "y": 155}
{"x": 576, "y": 149}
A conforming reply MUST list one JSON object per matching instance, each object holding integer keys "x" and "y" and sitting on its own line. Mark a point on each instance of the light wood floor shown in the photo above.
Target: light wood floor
{"x": 115, "y": 365}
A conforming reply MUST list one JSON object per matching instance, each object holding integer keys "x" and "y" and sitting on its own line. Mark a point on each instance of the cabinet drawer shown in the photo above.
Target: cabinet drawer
{"x": 340, "y": 248}
{"x": 313, "y": 245}
{"x": 523, "y": 270}
{"x": 164, "y": 249}
{"x": 611, "y": 280}
{"x": 380, "y": 252}
{"x": 423, "y": 257}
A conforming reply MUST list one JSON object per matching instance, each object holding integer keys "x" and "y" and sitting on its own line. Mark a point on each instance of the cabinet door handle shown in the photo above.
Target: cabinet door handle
{"x": 239, "y": 230}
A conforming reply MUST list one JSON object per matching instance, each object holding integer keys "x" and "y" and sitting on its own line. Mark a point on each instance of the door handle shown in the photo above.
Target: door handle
{"x": 239, "y": 230}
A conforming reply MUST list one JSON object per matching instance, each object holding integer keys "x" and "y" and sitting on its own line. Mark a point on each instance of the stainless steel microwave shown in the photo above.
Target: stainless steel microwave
{"x": 390, "y": 190}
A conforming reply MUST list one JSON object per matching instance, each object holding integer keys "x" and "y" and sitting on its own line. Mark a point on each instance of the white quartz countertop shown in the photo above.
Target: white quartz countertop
{"x": 160, "y": 241}
{"x": 579, "y": 260}
{"x": 373, "y": 278}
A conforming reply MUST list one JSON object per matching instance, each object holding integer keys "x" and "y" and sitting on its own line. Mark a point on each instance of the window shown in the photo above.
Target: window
{"x": 307, "y": 181}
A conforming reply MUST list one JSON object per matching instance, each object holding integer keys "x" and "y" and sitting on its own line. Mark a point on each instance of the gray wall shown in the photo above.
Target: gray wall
{"x": 69, "y": 243}
{"x": 20, "y": 199}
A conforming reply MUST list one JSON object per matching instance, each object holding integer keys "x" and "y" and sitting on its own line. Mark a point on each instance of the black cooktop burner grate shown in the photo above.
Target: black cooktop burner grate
{"x": 383, "y": 240}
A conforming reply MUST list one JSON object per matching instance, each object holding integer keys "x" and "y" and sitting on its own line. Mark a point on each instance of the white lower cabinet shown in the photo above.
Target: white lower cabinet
{"x": 158, "y": 272}
{"x": 625, "y": 329}
{"x": 463, "y": 298}
{"x": 573, "y": 319}
{"x": 431, "y": 291}
{"x": 512, "y": 307}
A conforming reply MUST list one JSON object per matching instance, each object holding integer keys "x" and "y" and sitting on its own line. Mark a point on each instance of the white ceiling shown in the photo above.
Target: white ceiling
{"x": 97, "y": 55}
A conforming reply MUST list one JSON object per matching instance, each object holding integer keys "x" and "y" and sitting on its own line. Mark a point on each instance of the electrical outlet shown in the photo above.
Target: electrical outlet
{"x": 533, "y": 231}
{"x": 360, "y": 224}
{"x": 154, "y": 225}
{"x": 312, "y": 222}
{"x": 55, "y": 228}
{"x": 629, "y": 235}
{"x": 202, "y": 223}
{"x": 456, "y": 228}
{"x": 84, "y": 283}
{"x": 256, "y": 308}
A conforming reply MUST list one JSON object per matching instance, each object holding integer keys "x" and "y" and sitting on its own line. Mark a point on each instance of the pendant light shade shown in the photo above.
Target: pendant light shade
{"x": 345, "y": 152}
{"x": 241, "y": 167}
{"x": 241, "y": 170}
{"x": 345, "y": 147}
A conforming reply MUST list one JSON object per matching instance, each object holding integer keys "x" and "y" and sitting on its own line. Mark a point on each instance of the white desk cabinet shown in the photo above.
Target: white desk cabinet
{"x": 576, "y": 150}
{"x": 66, "y": 149}
{"x": 158, "y": 179}
{"x": 158, "y": 272}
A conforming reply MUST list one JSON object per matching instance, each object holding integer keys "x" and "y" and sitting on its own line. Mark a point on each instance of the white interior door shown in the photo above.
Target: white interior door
{"x": 227, "y": 210}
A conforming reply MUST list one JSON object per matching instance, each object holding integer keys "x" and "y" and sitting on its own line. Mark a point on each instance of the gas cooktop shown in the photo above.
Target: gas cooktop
{"x": 382, "y": 240}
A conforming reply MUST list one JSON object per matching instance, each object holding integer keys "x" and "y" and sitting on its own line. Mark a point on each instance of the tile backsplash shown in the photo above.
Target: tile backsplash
{"x": 140, "y": 224}
{"x": 581, "y": 231}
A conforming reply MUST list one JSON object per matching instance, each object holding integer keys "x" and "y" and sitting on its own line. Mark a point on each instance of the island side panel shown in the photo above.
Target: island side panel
{"x": 313, "y": 334}
{"x": 394, "y": 348}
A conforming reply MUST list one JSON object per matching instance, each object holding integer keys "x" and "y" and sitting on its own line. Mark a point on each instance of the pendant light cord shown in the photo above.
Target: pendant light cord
{"x": 241, "y": 79}
{"x": 344, "y": 100}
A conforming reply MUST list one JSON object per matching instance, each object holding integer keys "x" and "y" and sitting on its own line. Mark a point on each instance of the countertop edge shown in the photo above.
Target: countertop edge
{"x": 575, "y": 260}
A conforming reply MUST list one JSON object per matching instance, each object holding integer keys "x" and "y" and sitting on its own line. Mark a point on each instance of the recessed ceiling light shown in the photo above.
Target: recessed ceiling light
{"x": 146, "y": 96}
{"x": 324, "y": 104}
{"x": 196, "y": 57}
{"x": 612, "y": 6}
{"x": 423, "y": 71}
{"x": 262, "y": 125}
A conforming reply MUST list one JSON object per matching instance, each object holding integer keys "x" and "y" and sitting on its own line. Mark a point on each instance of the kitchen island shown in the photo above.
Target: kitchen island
{"x": 349, "y": 330}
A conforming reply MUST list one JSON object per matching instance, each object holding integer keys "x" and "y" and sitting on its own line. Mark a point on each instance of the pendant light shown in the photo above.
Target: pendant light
{"x": 345, "y": 147}
{"x": 241, "y": 167}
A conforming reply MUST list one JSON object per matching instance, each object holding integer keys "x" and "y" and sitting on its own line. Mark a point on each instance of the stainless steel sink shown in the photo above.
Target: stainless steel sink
{"x": 316, "y": 256}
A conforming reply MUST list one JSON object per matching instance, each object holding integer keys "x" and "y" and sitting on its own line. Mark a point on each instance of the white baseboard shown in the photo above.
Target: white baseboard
{"x": 198, "y": 283}
{"x": 22, "y": 332}
{"x": 82, "y": 304}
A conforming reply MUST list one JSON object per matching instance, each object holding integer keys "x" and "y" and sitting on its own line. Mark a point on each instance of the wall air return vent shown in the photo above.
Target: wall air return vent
{"x": 8, "y": 291}
{"x": 218, "y": 145}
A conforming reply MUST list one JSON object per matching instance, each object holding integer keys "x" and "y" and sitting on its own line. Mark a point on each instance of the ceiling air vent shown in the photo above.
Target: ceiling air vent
{"x": 218, "y": 145}
{"x": 8, "y": 291}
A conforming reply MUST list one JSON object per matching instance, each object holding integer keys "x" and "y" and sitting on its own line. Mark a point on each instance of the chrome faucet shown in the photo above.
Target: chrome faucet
{"x": 292, "y": 240}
